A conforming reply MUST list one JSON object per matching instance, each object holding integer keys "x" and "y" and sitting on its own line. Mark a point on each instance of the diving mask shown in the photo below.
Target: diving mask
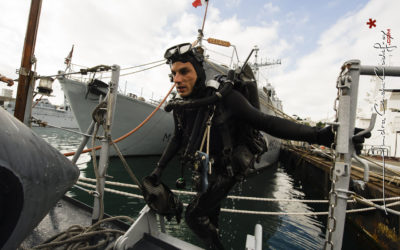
{"x": 182, "y": 52}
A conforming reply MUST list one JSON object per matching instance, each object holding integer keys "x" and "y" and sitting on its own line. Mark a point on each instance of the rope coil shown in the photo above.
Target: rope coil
{"x": 78, "y": 237}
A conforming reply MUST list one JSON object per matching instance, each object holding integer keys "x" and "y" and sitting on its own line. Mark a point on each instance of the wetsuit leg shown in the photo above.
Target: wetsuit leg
{"x": 215, "y": 216}
{"x": 202, "y": 213}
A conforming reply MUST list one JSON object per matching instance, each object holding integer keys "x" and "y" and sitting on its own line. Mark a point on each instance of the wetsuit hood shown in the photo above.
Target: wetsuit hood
{"x": 200, "y": 86}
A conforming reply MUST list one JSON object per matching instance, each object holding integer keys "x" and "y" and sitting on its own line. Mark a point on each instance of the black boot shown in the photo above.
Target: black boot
{"x": 205, "y": 230}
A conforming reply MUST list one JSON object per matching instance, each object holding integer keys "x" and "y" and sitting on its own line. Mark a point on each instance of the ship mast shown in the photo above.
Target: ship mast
{"x": 26, "y": 78}
{"x": 256, "y": 66}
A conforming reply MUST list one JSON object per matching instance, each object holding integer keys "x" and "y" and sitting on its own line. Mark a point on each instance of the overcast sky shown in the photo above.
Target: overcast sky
{"x": 312, "y": 39}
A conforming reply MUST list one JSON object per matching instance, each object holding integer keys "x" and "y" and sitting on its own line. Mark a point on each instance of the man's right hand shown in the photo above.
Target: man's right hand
{"x": 10, "y": 82}
{"x": 326, "y": 138}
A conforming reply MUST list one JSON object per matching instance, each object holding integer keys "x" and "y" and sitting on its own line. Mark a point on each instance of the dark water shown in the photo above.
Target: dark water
{"x": 279, "y": 231}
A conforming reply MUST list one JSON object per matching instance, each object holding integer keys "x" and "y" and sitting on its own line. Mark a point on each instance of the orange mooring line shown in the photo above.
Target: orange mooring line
{"x": 133, "y": 130}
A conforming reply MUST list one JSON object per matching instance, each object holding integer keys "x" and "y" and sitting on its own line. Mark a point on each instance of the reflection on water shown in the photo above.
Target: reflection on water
{"x": 279, "y": 232}
{"x": 295, "y": 232}
{"x": 64, "y": 141}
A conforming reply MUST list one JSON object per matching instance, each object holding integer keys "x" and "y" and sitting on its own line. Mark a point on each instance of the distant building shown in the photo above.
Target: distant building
{"x": 386, "y": 133}
{"x": 6, "y": 97}
{"x": 7, "y": 92}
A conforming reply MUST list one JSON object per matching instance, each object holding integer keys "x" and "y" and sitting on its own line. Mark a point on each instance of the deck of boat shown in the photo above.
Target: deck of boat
{"x": 66, "y": 213}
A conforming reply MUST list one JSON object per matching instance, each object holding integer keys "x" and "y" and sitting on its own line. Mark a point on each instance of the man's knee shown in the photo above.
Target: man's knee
{"x": 191, "y": 218}
{"x": 194, "y": 220}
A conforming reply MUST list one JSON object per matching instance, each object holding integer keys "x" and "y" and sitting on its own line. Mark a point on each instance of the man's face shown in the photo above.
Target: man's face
{"x": 185, "y": 77}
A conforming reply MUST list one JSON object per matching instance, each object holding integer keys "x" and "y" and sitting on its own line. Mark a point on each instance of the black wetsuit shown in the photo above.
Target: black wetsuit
{"x": 202, "y": 213}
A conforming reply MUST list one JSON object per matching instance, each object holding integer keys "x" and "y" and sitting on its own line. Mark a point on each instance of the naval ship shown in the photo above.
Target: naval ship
{"x": 43, "y": 112}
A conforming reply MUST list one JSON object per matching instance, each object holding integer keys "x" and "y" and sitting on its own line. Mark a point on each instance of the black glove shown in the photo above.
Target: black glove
{"x": 326, "y": 137}
{"x": 155, "y": 176}
{"x": 358, "y": 140}
{"x": 160, "y": 198}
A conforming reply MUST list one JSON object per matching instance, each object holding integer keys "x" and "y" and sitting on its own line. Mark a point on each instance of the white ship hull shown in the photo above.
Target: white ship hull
{"x": 55, "y": 117}
{"x": 150, "y": 139}
{"x": 274, "y": 144}
{"x": 48, "y": 114}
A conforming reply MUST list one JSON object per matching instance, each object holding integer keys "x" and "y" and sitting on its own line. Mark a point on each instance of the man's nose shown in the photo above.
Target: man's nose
{"x": 177, "y": 78}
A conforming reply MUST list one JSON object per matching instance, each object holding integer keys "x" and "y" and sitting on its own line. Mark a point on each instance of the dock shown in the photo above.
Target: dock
{"x": 314, "y": 166}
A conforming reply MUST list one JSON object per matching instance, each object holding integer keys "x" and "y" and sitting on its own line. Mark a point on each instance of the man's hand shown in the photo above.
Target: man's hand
{"x": 358, "y": 140}
{"x": 326, "y": 138}
{"x": 10, "y": 82}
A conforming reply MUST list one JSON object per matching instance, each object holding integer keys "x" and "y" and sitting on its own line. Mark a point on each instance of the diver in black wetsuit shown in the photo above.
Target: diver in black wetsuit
{"x": 233, "y": 119}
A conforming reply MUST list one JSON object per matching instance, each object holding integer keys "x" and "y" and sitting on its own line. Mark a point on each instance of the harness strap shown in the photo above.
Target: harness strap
{"x": 198, "y": 124}
{"x": 207, "y": 136}
{"x": 227, "y": 150}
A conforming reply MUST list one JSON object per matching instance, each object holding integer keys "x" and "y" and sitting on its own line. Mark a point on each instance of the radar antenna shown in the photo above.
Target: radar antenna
{"x": 256, "y": 66}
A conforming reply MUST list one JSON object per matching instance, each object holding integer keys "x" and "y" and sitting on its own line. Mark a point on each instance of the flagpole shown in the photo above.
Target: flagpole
{"x": 204, "y": 19}
{"x": 26, "y": 79}
{"x": 68, "y": 59}
{"x": 201, "y": 31}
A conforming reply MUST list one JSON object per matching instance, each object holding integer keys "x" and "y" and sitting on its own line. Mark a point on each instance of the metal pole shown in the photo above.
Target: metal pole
{"x": 258, "y": 237}
{"x": 98, "y": 206}
{"x": 25, "y": 87}
{"x": 395, "y": 144}
{"x": 348, "y": 85}
{"x": 380, "y": 70}
{"x": 86, "y": 137}
{"x": 78, "y": 152}
{"x": 29, "y": 100}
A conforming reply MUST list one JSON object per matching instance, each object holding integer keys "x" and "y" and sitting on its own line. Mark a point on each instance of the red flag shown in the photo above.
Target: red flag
{"x": 69, "y": 57}
{"x": 196, "y": 3}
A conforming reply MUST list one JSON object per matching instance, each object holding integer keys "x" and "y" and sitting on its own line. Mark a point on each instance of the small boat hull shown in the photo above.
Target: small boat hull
{"x": 33, "y": 177}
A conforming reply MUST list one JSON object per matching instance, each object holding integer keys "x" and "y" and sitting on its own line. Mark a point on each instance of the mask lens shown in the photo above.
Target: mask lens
{"x": 178, "y": 49}
{"x": 185, "y": 48}
{"x": 170, "y": 52}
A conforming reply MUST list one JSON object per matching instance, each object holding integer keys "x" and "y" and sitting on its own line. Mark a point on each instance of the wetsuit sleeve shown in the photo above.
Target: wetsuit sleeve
{"x": 172, "y": 146}
{"x": 272, "y": 125}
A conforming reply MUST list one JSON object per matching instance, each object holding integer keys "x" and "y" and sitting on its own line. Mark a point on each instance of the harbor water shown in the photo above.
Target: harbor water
{"x": 279, "y": 231}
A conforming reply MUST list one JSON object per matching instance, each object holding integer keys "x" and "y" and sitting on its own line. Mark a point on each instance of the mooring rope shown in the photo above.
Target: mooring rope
{"x": 84, "y": 71}
{"x": 134, "y": 72}
{"x": 131, "y": 67}
{"x": 110, "y": 190}
{"x": 145, "y": 64}
{"x": 37, "y": 101}
{"x": 89, "y": 191}
{"x": 46, "y": 124}
{"x": 371, "y": 204}
{"x": 229, "y": 210}
{"x": 126, "y": 166}
{"x": 233, "y": 197}
{"x": 390, "y": 179}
